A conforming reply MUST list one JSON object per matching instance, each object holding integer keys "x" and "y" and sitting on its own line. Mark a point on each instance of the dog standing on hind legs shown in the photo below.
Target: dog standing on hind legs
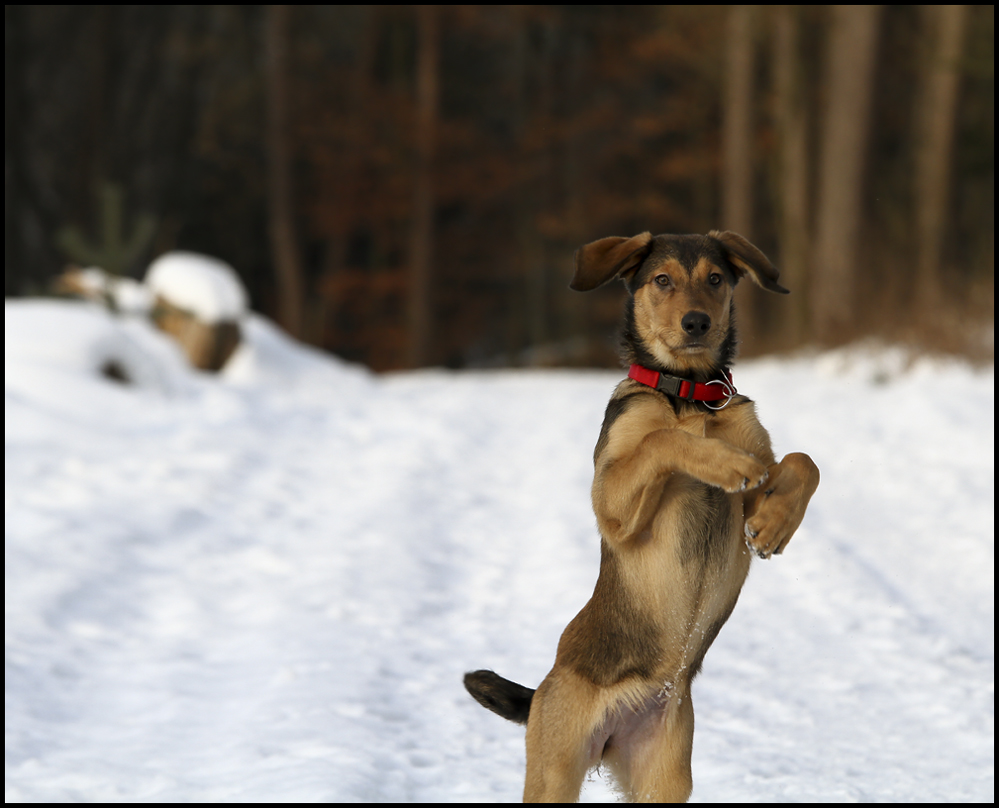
{"x": 685, "y": 490}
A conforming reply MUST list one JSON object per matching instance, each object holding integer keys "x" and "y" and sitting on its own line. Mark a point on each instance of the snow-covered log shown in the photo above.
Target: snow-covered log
{"x": 199, "y": 301}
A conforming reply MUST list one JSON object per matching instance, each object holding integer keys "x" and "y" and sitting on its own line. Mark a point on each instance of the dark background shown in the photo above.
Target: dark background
{"x": 406, "y": 185}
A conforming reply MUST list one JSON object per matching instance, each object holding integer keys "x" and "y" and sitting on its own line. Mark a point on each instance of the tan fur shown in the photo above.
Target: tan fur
{"x": 683, "y": 496}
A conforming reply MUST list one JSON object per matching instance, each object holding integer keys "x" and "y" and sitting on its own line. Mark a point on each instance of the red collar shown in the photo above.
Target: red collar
{"x": 714, "y": 390}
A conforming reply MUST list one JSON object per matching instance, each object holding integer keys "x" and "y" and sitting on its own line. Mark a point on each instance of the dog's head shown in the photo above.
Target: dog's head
{"x": 679, "y": 316}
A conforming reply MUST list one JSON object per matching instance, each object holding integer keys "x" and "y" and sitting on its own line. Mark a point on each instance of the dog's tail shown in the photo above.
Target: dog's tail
{"x": 503, "y": 697}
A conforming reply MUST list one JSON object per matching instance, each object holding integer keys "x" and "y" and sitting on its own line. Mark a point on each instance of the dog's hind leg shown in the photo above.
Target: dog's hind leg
{"x": 562, "y": 742}
{"x": 649, "y": 755}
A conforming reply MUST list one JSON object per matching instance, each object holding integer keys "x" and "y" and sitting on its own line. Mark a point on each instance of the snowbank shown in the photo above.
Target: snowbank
{"x": 80, "y": 342}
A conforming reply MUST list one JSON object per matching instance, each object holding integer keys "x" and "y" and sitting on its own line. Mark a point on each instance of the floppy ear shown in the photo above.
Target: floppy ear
{"x": 748, "y": 260}
{"x": 599, "y": 261}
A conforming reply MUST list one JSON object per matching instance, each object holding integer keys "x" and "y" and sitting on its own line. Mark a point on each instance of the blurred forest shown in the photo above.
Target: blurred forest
{"x": 406, "y": 185}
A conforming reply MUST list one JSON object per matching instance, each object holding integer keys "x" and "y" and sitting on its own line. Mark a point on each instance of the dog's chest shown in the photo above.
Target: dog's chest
{"x": 695, "y": 423}
{"x": 736, "y": 425}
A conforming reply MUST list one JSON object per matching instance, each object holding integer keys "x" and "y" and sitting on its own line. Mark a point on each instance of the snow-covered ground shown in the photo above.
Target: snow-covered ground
{"x": 266, "y": 585}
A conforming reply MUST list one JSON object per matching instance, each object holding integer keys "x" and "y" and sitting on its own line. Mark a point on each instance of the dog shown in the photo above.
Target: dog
{"x": 686, "y": 490}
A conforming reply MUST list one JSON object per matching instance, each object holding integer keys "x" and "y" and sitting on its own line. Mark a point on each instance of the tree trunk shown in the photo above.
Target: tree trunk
{"x": 792, "y": 169}
{"x": 737, "y": 125}
{"x": 944, "y": 27}
{"x": 573, "y": 308}
{"x": 539, "y": 199}
{"x": 421, "y": 235}
{"x": 737, "y": 146}
{"x": 284, "y": 246}
{"x": 849, "y": 82}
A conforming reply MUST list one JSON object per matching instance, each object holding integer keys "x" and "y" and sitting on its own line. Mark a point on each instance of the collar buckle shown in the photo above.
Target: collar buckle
{"x": 672, "y": 385}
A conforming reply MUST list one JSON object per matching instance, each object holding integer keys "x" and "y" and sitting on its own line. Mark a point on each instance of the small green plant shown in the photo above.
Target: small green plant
{"x": 116, "y": 252}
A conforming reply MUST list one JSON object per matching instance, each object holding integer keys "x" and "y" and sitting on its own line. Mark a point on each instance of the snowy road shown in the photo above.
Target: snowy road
{"x": 267, "y": 586}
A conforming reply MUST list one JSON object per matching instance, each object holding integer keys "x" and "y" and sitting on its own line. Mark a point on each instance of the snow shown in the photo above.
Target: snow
{"x": 205, "y": 286}
{"x": 267, "y": 584}
{"x": 131, "y": 296}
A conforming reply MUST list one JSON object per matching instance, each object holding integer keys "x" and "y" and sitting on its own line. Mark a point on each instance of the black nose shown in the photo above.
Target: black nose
{"x": 696, "y": 323}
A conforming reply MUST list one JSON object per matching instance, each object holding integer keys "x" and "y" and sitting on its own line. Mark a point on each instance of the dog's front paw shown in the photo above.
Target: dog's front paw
{"x": 743, "y": 472}
{"x": 773, "y": 515}
{"x": 756, "y": 539}
{"x": 770, "y": 529}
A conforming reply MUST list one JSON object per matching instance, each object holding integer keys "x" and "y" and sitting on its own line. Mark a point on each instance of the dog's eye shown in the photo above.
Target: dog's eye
{"x": 662, "y": 280}
{"x": 714, "y": 278}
